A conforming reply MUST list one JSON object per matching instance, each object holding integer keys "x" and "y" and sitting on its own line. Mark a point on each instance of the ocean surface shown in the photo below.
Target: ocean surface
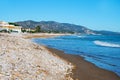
{"x": 101, "y": 50}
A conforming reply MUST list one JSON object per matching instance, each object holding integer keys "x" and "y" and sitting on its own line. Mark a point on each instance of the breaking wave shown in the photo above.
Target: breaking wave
{"x": 81, "y": 36}
{"x": 106, "y": 44}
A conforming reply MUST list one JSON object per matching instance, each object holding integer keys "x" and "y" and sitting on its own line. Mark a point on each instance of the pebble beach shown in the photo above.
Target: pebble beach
{"x": 21, "y": 59}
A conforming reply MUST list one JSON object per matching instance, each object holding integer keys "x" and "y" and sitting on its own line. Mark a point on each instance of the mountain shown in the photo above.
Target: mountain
{"x": 52, "y": 26}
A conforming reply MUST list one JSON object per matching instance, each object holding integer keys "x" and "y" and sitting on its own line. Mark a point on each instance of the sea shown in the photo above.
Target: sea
{"x": 101, "y": 50}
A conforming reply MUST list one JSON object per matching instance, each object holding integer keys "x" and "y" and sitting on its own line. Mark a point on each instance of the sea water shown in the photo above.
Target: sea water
{"x": 101, "y": 50}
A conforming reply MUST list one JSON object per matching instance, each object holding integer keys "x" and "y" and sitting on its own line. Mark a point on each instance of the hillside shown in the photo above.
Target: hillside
{"x": 56, "y": 27}
{"x": 52, "y": 26}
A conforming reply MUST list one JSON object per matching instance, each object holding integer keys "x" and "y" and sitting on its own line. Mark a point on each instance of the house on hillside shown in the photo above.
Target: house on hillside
{"x": 10, "y": 28}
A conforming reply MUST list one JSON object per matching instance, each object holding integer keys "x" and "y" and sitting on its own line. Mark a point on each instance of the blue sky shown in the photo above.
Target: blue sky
{"x": 94, "y": 14}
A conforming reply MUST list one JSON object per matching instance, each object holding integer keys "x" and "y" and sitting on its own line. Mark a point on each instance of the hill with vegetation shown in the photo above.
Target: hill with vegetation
{"x": 55, "y": 27}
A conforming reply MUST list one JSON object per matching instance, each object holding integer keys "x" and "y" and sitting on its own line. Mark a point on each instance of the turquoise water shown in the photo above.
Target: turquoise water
{"x": 101, "y": 50}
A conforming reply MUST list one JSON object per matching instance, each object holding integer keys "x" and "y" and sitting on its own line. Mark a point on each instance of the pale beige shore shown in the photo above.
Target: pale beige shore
{"x": 43, "y": 35}
{"x": 20, "y": 59}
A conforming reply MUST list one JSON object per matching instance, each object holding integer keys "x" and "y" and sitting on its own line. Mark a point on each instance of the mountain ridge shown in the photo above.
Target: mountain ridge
{"x": 54, "y": 26}
{"x": 57, "y": 27}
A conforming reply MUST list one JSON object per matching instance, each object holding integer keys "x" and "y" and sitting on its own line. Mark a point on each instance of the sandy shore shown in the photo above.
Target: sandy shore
{"x": 42, "y": 35}
{"x": 24, "y": 60}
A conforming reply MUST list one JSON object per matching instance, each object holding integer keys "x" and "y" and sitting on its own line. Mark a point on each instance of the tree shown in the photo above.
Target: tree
{"x": 13, "y": 24}
{"x": 23, "y": 30}
{"x": 38, "y": 29}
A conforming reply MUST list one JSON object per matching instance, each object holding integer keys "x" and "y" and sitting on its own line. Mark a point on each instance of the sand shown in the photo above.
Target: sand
{"x": 21, "y": 59}
{"x": 42, "y": 35}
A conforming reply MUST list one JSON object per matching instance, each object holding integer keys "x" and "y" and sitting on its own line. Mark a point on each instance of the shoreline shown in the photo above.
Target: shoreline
{"x": 39, "y": 62}
{"x": 42, "y": 35}
{"x": 83, "y": 69}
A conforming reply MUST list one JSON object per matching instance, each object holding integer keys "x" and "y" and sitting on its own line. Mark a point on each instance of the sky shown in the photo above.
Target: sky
{"x": 93, "y": 14}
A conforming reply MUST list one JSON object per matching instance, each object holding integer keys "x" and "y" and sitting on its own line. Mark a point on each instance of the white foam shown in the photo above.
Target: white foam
{"x": 81, "y": 36}
{"x": 106, "y": 44}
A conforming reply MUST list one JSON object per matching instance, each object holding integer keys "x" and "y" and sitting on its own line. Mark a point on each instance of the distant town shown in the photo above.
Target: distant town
{"x": 15, "y": 28}
{"x": 8, "y": 27}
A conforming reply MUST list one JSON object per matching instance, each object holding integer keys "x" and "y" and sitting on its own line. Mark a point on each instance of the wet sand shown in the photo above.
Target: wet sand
{"x": 84, "y": 70}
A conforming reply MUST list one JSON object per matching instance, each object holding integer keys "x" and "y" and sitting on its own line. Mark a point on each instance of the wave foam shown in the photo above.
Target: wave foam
{"x": 106, "y": 44}
{"x": 81, "y": 36}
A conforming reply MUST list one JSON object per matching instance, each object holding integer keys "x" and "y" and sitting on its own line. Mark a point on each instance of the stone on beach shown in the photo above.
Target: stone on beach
{"x": 23, "y": 60}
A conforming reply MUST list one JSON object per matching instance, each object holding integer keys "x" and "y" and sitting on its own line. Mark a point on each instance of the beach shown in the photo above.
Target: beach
{"x": 22, "y": 59}
{"x": 43, "y": 35}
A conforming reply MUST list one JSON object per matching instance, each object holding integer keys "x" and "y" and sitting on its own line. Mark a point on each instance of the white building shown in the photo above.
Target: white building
{"x": 8, "y": 27}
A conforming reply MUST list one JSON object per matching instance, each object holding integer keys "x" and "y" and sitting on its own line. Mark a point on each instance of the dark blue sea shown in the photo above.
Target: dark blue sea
{"x": 101, "y": 50}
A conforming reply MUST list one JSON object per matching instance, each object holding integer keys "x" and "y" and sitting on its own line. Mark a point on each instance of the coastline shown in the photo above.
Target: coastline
{"x": 83, "y": 69}
{"x": 39, "y": 62}
{"x": 42, "y": 35}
